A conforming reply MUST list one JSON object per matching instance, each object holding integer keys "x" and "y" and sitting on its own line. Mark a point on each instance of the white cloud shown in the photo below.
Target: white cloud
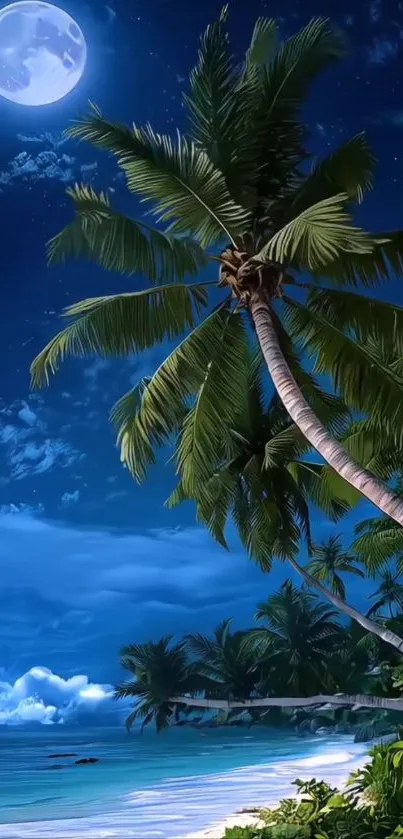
{"x": 70, "y": 498}
{"x": 27, "y": 415}
{"x": 41, "y": 696}
{"x": 50, "y": 163}
{"x": 27, "y": 443}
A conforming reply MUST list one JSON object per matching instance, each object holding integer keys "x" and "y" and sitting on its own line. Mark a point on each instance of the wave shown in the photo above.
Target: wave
{"x": 179, "y": 806}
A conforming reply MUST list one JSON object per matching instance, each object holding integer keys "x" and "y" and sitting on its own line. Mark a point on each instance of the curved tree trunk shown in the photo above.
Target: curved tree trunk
{"x": 304, "y": 417}
{"x": 375, "y": 628}
{"x": 359, "y": 700}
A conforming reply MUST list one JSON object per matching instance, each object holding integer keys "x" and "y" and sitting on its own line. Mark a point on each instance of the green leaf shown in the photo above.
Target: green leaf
{"x": 324, "y": 488}
{"x": 211, "y": 102}
{"x": 378, "y": 540}
{"x": 183, "y": 185}
{"x": 328, "y": 407}
{"x": 263, "y": 43}
{"x": 217, "y": 402}
{"x": 120, "y": 325}
{"x": 283, "y": 446}
{"x": 317, "y": 236}
{"x": 118, "y": 243}
{"x": 348, "y": 170}
{"x": 369, "y": 319}
{"x": 368, "y": 270}
{"x": 349, "y": 364}
{"x": 268, "y": 131}
{"x": 147, "y": 416}
{"x": 300, "y": 60}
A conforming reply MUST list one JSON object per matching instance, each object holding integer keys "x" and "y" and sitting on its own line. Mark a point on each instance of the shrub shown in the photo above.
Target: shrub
{"x": 370, "y": 808}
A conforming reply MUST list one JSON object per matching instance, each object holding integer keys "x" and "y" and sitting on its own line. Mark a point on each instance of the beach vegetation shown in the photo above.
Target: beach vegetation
{"x": 369, "y": 807}
{"x": 298, "y": 667}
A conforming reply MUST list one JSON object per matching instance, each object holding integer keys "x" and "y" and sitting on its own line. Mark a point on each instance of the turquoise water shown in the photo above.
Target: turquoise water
{"x": 167, "y": 786}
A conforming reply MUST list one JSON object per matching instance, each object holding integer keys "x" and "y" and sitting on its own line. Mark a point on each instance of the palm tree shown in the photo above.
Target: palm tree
{"x": 329, "y": 561}
{"x": 228, "y": 670}
{"x": 264, "y": 479}
{"x": 158, "y": 670}
{"x": 299, "y": 637}
{"x": 378, "y": 541}
{"x": 389, "y": 594}
{"x": 236, "y": 192}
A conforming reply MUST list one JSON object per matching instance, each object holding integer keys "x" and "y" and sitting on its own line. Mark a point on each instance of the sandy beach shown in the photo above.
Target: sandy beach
{"x": 336, "y": 775}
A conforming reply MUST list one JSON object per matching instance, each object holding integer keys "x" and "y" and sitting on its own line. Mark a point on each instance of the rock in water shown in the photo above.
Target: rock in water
{"x": 86, "y": 760}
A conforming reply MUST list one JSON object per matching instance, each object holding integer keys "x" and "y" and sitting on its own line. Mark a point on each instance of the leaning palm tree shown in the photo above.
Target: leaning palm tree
{"x": 236, "y": 192}
{"x": 264, "y": 479}
{"x": 229, "y": 670}
{"x": 389, "y": 594}
{"x": 299, "y": 637}
{"x": 158, "y": 670}
{"x": 379, "y": 540}
{"x": 329, "y": 561}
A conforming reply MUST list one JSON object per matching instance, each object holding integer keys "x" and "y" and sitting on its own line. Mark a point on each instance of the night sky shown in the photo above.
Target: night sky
{"x": 88, "y": 559}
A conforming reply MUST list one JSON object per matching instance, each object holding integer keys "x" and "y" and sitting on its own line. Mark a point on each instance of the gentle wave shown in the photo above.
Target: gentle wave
{"x": 179, "y": 806}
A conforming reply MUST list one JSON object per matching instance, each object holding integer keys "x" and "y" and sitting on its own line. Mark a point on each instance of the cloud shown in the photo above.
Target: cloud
{"x": 50, "y": 163}
{"x": 375, "y": 11}
{"x": 41, "y": 696}
{"x": 27, "y": 443}
{"x": 71, "y": 597}
{"x": 70, "y": 498}
{"x": 382, "y": 51}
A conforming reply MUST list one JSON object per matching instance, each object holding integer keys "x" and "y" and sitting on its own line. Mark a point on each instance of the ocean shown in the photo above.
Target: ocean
{"x": 150, "y": 786}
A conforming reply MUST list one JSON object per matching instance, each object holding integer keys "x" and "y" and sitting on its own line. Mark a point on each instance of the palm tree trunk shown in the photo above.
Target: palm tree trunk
{"x": 360, "y": 700}
{"x": 370, "y": 626}
{"x": 331, "y": 450}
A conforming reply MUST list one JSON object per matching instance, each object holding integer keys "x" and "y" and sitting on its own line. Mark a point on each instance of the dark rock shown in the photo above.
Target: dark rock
{"x": 86, "y": 760}
{"x": 63, "y": 754}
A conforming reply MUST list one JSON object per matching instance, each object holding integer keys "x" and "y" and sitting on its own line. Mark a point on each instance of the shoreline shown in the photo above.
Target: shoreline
{"x": 203, "y": 806}
{"x": 249, "y": 816}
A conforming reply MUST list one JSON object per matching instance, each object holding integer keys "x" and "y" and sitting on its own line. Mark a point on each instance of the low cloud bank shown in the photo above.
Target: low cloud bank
{"x": 40, "y": 696}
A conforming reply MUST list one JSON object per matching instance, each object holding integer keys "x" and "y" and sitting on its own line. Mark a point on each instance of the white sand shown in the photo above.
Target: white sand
{"x": 335, "y": 777}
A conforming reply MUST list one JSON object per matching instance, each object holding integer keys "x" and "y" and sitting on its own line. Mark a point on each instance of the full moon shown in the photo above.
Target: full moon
{"x": 42, "y": 53}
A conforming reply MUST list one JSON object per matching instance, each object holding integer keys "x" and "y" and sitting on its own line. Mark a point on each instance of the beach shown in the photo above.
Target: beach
{"x": 178, "y": 784}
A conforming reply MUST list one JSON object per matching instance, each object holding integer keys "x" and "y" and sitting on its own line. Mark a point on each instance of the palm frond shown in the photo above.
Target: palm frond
{"x": 121, "y": 324}
{"x": 178, "y": 178}
{"x": 317, "y": 236}
{"x": 216, "y": 405}
{"x": 299, "y": 60}
{"x": 367, "y": 269}
{"x": 211, "y": 102}
{"x": 118, "y": 243}
{"x": 378, "y": 540}
{"x": 263, "y": 45}
{"x": 328, "y": 407}
{"x": 348, "y": 170}
{"x": 349, "y": 364}
{"x": 325, "y": 488}
{"x": 152, "y": 411}
{"x": 369, "y": 319}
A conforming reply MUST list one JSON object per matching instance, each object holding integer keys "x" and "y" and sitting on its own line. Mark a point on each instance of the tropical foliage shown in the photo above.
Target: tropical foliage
{"x": 235, "y": 193}
{"x": 371, "y": 807}
{"x": 298, "y": 649}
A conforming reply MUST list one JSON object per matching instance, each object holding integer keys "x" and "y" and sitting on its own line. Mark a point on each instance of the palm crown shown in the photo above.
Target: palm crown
{"x": 236, "y": 191}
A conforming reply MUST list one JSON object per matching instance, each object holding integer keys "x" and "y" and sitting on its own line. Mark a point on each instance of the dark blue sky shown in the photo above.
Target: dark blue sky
{"x": 89, "y": 560}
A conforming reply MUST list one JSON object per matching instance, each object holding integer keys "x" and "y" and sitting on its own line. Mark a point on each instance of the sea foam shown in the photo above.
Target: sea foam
{"x": 181, "y": 806}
